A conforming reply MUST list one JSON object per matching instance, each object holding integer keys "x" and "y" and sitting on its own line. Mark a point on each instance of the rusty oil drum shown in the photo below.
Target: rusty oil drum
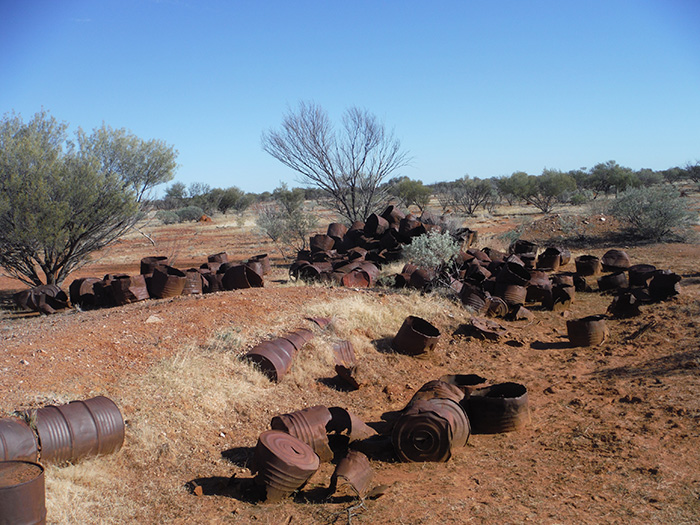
{"x": 22, "y": 493}
{"x": 17, "y": 440}
{"x": 167, "y": 282}
{"x": 587, "y": 331}
{"x": 498, "y": 408}
{"x": 415, "y": 337}
{"x": 68, "y": 433}
{"x": 282, "y": 464}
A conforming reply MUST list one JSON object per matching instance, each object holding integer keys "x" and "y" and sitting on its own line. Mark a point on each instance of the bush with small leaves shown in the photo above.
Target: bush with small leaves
{"x": 167, "y": 217}
{"x": 190, "y": 213}
{"x": 432, "y": 250}
{"x": 652, "y": 213}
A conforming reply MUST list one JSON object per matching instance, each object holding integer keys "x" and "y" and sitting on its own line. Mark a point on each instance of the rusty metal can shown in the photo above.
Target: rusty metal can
{"x": 308, "y": 425}
{"x": 241, "y": 277}
{"x": 612, "y": 281}
{"x": 129, "y": 289}
{"x": 588, "y": 265}
{"x": 282, "y": 464}
{"x": 68, "y": 433}
{"x": 22, "y": 493}
{"x": 353, "y": 475}
{"x": 587, "y": 331}
{"x": 167, "y": 282}
{"x": 416, "y": 336}
{"x": 148, "y": 264}
{"x": 17, "y": 440}
{"x": 498, "y": 408}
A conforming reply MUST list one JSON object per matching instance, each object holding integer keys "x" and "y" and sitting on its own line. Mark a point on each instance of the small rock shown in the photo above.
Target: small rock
{"x": 154, "y": 319}
{"x": 23, "y": 362}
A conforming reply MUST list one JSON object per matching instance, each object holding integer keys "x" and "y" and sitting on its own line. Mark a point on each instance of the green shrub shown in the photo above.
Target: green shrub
{"x": 190, "y": 213}
{"x": 432, "y": 250}
{"x": 167, "y": 217}
{"x": 652, "y": 212}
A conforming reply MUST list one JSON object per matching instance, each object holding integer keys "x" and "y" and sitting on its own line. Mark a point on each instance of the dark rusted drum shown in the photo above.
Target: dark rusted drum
{"x": 467, "y": 383}
{"x": 375, "y": 226}
{"x": 256, "y": 266}
{"x": 345, "y": 363}
{"x": 272, "y": 360}
{"x": 193, "y": 283}
{"x": 587, "y": 265}
{"x": 17, "y": 440}
{"x": 615, "y": 260}
{"x": 283, "y": 464}
{"x": 540, "y": 287}
{"x": 321, "y": 243}
{"x": 512, "y": 294}
{"x": 240, "y": 277}
{"x": 522, "y": 246}
{"x": 429, "y": 430}
{"x": 409, "y": 228}
{"x": 352, "y": 476}
{"x": 498, "y": 307}
{"x": 393, "y": 215}
{"x": 337, "y": 230}
{"x": 129, "y": 289}
{"x": 498, "y": 408}
{"x": 82, "y": 292}
{"x": 416, "y": 336}
{"x": 588, "y": 331}
{"x": 22, "y": 493}
{"x": 513, "y": 273}
{"x": 308, "y": 425}
{"x": 550, "y": 259}
{"x": 421, "y": 279}
{"x": 263, "y": 259}
{"x": 475, "y": 299}
{"x": 47, "y": 298}
{"x": 167, "y": 282}
{"x": 68, "y": 433}
{"x": 437, "y": 389}
{"x": 664, "y": 284}
{"x": 476, "y": 273}
{"x": 640, "y": 274}
{"x": 220, "y": 257}
{"x": 356, "y": 279}
{"x": 297, "y": 340}
{"x": 624, "y": 305}
{"x": 612, "y": 281}
{"x": 214, "y": 282}
{"x": 148, "y": 264}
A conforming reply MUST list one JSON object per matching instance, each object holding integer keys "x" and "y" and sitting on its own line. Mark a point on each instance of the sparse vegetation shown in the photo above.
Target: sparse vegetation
{"x": 432, "y": 250}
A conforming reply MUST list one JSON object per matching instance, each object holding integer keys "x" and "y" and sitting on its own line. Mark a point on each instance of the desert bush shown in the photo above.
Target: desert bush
{"x": 167, "y": 216}
{"x": 189, "y": 213}
{"x": 432, "y": 250}
{"x": 652, "y": 213}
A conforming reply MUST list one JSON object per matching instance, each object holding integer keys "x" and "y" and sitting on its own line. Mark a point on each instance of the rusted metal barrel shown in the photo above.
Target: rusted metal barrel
{"x": 437, "y": 389}
{"x": 467, "y": 383}
{"x": 415, "y": 337}
{"x": 337, "y": 231}
{"x": 167, "y": 282}
{"x": 421, "y": 279}
{"x": 17, "y": 440}
{"x": 615, "y": 260}
{"x": 274, "y": 357}
{"x": 588, "y": 265}
{"x": 346, "y": 363}
{"x": 221, "y": 257}
{"x": 194, "y": 283}
{"x": 640, "y": 274}
{"x": 587, "y": 331}
{"x": 498, "y": 408}
{"x": 352, "y": 476}
{"x": 308, "y": 425}
{"x": 522, "y": 246}
{"x": 475, "y": 298}
{"x": 393, "y": 215}
{"x": 512, "y": 294}
{"x": 68, "y": 433}
{"x": 612, "y": 281}
{"x": 129, "y": 289}
{"x": 148, "y": 264}
{"x": 375, "y": 226}
{"x": 282, "y": 464}
{"x": 240, "y": 277}
{"x": 550, "y": 259}
{"x": 264, "y": 260}
{"x": 664, "y": 284}
{"x": 429, "y": 430}
{"x": 513, "y": 273}
{"x": 82, "y": 292}
{"x": 22, "y": 493}
{"x": 321, "y": 243}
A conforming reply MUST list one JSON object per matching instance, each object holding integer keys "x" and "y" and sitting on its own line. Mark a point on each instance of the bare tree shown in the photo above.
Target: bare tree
{"x": 348, "y": 165}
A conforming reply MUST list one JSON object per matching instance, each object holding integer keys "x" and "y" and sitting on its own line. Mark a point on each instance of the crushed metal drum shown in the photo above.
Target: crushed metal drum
{"x": 17, "y": 440}
{"x": 129, "y": 289}
{"x": 148, "y": 264}
{"x": 167, "y": 282}
{"x": 615, "y": 260}
{"x": 283, "y": 464}
{"x": 80, "y": 429}
{"x": 272, "y": 360}
{"x": 82, "y": 292}
{"x": 612, "y": 281}
{"x": 308, "y": 425}
{"x": 346, "y": 363}
{"x": 220, "y": 257}
{"x": 429, "y": 430}
{"x": 344, "y": 422}
{"x": 587, "y": 331}
{"x": 352, "y": 475}
{"x": 22, "y": 493}
{"x": 239, "y": 277}
{"x": 437, "y": 389}
{"x": 588, "y": 265}
{"x": 640, "y": 274}
{"x": 415, "y": 337}
{"x": 487, "y": 329}
{"x": 264, "y": 260}
{"x": 498, "y": 408}
{"x": 664, "y": 284}
{"x": 194, "y": 283}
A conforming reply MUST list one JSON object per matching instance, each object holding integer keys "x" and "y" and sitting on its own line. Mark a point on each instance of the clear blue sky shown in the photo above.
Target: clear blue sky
{"x": 485, "y": 88}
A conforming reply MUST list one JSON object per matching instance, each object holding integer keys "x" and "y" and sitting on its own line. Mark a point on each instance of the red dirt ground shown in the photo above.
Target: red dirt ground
{"x": 614, "y": 434}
